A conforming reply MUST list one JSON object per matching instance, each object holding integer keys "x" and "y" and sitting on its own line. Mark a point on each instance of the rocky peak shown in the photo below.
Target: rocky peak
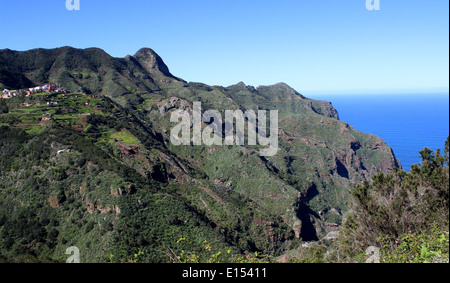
{"x": 152, "y": 62}
{"x": 282, "y": 90}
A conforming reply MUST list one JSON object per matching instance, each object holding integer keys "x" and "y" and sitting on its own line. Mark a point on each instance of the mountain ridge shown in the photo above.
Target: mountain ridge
{"x": 118, "y": 112}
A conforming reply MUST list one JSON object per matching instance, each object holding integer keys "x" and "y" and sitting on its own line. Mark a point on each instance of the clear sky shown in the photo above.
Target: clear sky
{"x": 316, "y": 46}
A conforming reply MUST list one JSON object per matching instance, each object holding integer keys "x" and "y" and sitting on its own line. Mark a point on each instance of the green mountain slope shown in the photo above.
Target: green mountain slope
{"x": 96, "y": 169}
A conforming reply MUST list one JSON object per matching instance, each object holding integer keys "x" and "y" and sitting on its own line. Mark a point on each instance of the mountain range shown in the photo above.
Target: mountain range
{"x": 95, "y": 168}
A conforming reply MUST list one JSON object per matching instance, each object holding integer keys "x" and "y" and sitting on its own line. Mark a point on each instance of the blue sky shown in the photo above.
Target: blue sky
{"x": 316, "y": 46}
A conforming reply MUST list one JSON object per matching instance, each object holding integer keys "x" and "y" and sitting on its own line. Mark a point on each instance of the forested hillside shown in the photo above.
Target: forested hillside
{"x": 94, "y": 166}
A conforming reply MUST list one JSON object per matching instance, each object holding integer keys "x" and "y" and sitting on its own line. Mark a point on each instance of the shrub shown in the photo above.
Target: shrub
{"x": 397, "y": 205}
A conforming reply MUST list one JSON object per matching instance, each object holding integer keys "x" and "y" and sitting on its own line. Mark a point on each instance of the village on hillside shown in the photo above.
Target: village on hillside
{"x": 47, "y": 88}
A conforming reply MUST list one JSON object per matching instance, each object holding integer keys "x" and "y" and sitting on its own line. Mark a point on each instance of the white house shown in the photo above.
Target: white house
{"x": 6, "y": 94}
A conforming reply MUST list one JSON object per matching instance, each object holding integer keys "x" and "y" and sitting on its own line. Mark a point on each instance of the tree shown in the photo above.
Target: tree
{"x": 3, "y": 107}
{"x": 446, "y": 152}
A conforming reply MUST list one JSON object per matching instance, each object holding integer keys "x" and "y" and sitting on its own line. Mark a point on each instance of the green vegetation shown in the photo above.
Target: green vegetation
{"x": 429, "y": 246}
{"x": 400, "y": 204}
{"x": 125, "y": 137}
{"x": 95, "y": 169}
{"x": 3, "y": 107}
{"x": 106, "y": 184}
{"x": 403, "y": 215}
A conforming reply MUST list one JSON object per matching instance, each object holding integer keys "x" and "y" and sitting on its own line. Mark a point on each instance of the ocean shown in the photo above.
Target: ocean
{"x": 407, "y": 123}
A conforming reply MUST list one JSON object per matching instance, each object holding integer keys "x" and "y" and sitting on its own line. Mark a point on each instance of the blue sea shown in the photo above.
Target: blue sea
{"x": 407, "y": 123}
